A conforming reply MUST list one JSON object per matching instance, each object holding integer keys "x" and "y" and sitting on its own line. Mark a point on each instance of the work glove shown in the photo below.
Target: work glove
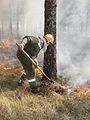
{"x": 19, "y": 46}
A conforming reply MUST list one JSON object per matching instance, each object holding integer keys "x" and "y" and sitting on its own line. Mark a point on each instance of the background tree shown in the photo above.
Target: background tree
{"x": 50, "y": 67}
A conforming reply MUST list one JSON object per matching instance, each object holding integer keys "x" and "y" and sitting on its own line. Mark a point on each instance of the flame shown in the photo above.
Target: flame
{"x": 7, "y": 42}
{"x": 85, "y": 92}
{"x": 38, "y": 72}
{"x": 79, "y": 90}
{"x": 4, "y": 44}
{"x": 11, "y": 69}
{"x": 18, "y": 70}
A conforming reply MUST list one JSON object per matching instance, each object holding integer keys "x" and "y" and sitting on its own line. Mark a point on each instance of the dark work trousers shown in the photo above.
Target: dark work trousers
{"x": 27, "y": 64}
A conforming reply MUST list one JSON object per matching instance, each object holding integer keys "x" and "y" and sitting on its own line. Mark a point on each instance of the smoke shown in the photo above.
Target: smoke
{"x": 22, "y": 16}
{"x": 73, "y": 42}
{"x": 26, "y": 17}
{"x": 17, "y": 19}
{"x": 34, "y": 17}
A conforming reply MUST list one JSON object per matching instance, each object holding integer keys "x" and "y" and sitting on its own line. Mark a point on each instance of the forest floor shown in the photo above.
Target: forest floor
{"x": 17, "y": 105}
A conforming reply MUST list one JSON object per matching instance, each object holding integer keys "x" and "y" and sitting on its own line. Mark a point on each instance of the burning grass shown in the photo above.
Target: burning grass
{"x": 18, "y": 105}
{"x": 85, "y": 92}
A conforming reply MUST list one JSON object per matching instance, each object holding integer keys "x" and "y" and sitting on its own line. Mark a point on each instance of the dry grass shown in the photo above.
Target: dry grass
{"x": 18, "y": 105}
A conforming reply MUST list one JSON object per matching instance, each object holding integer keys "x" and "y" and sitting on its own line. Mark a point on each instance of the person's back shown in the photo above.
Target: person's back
{"x": 33, "y": 45}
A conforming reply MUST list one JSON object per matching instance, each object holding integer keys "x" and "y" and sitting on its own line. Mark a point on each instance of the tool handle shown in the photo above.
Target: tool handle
{"x": 34, "y": 63}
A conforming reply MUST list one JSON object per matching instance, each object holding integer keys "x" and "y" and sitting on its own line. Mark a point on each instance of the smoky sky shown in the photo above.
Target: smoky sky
{"x": 73, "y": 36}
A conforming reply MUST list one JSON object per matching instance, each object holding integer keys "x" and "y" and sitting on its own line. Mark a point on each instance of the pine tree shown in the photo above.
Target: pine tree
{"x": 50, "y": 67}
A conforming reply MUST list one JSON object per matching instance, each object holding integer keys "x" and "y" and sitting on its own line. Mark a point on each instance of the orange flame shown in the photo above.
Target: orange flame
{"x": 18, "y": 70}
{"x": 4, "y": 44}
{"x": 85, "y": 92}
{"x": 38, "y": 72}
{"x": 10, "y": 69}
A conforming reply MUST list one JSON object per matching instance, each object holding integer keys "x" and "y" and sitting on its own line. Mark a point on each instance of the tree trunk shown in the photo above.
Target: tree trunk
{"x": 50, "y": 67}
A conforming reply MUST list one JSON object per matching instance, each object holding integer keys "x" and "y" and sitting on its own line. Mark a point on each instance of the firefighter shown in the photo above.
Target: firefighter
{"x": 32, "y": 46}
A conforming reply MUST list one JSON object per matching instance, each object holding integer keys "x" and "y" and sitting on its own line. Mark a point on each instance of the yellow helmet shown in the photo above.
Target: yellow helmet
{"x": 49, "y": 38}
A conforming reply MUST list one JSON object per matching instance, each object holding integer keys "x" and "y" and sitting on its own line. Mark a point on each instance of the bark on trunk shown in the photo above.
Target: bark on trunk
{"x": 50, "y": 67}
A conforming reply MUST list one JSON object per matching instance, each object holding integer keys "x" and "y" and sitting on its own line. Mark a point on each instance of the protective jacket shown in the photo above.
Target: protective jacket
{"x": 32, "y": 45}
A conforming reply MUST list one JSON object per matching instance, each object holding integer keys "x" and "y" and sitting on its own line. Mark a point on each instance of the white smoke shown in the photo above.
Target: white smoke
{"x": 73, "y": 41}
{"x": 29, "y": 14}
{"x": 34, "y": 17}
